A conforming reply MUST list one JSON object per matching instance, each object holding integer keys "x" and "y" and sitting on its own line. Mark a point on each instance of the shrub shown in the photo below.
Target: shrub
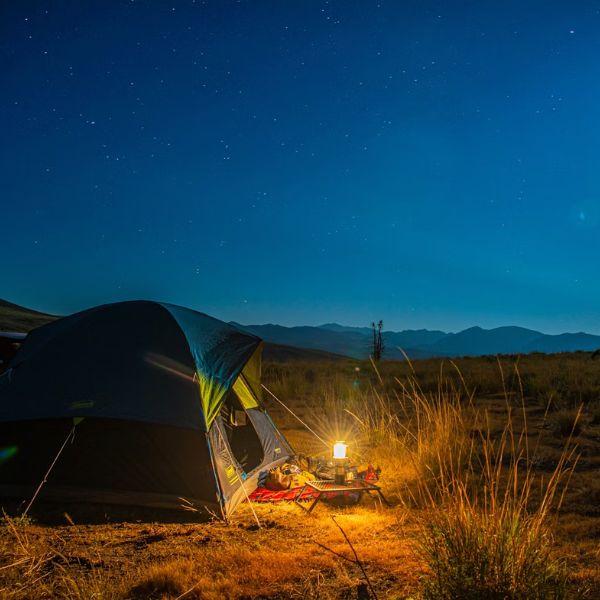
{"x": 485, "y": 532}
{"x": 474, "y": 554}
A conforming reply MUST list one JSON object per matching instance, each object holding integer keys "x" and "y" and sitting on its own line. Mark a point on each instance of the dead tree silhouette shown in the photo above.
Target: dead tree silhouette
{"x": 378, "y": 346}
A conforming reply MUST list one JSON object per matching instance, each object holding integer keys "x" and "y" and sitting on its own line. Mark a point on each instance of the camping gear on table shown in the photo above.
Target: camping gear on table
{"x": 268, "y": 492}
{"x": 136, "y": 404}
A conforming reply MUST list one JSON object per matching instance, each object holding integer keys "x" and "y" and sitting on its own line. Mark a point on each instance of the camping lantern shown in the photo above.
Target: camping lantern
{"x": 339, "y": 450}
{"x": 339, "y": 456}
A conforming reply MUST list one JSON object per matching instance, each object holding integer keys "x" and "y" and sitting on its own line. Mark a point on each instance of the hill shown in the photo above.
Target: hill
{"x": 348, "y": 343}
{"x": 18, "y": 318}
{"x": 281, "y": 353}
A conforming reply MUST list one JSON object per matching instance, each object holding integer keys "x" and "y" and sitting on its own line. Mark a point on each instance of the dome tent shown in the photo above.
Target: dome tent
{"x": 162, "y": 405}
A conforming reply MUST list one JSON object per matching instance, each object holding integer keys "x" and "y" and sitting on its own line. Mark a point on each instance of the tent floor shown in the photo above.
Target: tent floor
{"x": 62, "y": 513}
{"x": 53, "y": 504}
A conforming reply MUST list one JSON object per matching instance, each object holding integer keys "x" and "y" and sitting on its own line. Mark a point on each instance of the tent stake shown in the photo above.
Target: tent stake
{"x": 37, "y": 491}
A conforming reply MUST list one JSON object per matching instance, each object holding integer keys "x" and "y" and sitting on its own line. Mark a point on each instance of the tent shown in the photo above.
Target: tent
{"x": 146, "y": 405}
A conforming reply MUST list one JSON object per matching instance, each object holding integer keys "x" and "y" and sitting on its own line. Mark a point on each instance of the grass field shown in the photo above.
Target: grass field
{"x": 491, "y": 466}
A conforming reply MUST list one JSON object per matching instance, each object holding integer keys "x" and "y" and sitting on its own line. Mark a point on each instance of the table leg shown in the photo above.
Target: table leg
{"x": 297, "y": 498}
{"x": 383, "y": 498}
{"x": 311, "y": 507}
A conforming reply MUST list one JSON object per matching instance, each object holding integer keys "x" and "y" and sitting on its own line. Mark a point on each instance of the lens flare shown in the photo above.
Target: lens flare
{"x": 7, "y": 453}
{"x": 170, "y": 366}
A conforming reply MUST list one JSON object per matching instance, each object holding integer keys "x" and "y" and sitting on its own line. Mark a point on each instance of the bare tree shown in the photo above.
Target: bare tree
{"x": 378, "y": 346}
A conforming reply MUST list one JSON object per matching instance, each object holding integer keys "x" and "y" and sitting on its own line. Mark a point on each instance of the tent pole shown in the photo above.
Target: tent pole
{"x": 37, "y": 491}
{"x": 214, "y": 466}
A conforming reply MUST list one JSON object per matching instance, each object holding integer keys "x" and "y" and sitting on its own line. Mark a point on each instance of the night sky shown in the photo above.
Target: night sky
{"x": 431, "y": 164}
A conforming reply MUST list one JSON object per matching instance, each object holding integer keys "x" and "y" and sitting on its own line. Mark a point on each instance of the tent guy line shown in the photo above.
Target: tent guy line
{"x": 264, "y": 387}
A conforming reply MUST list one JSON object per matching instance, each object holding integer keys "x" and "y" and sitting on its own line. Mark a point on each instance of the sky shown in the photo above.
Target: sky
{"x": 431, "y": 164}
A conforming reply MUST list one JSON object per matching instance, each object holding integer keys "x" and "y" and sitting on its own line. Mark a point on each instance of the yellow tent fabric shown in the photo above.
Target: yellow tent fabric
{"x": 244, "y": 393}
{"x": 212, "y": 393}
{"x": 246, "y": 386}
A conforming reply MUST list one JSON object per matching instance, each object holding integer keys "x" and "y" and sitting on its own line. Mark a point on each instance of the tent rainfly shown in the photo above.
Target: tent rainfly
{"x": 161, "y": 407}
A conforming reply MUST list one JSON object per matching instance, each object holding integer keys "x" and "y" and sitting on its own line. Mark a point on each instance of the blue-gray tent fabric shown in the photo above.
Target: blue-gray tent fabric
{"x": 130, "y": 360}
{"x": 39, "y": 337}
{"x": 275, "y": 446}
{"x": 130, "y": 461}
{"x": 220, "y": 352}
{"x": 230, "y": 473}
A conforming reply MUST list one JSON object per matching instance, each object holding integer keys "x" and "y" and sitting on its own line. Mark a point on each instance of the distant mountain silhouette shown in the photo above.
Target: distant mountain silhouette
{"x": 345, "y": 328}
{"x": 424, "y": 343}
{"x": 565, "y": 342}
{"x": 332, "y": 341}
{"x": 408, "y": 338}
{"x": 476, "y": 341}
{"x": 348, "y": 343}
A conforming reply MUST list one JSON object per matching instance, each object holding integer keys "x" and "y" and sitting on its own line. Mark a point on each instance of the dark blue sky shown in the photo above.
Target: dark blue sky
{"x": 432, "y": 164}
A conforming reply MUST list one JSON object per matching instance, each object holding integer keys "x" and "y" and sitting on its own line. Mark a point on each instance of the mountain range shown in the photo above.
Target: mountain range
{"x": 356, "y": 342}
{"x": 332, "y": 341}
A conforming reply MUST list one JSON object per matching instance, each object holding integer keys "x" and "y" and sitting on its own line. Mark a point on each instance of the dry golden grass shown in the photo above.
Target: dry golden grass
{"x": 281, "y": 560}
{"x": 488, "y": 470}
{"x": 490, "y": 474}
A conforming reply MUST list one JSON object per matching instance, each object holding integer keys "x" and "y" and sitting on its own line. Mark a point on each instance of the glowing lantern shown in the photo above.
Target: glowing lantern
{"x": 339, "y": 450}
{"x": 339, "y": 456}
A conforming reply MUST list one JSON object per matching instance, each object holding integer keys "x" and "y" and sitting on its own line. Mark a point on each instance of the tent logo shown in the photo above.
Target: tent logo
{"x": 231, "y": 474}
{"x": 82, "y": 404}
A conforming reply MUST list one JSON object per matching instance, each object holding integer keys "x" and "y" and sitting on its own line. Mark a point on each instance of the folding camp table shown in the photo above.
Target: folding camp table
{"x": 332, "y": 489}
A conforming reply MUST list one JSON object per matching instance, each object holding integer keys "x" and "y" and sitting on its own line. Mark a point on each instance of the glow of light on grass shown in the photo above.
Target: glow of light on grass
{"x": 333, "y": 422}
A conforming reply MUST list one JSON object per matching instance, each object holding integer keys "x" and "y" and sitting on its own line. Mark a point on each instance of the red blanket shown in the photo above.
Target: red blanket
{"x": 262, "y": 494}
